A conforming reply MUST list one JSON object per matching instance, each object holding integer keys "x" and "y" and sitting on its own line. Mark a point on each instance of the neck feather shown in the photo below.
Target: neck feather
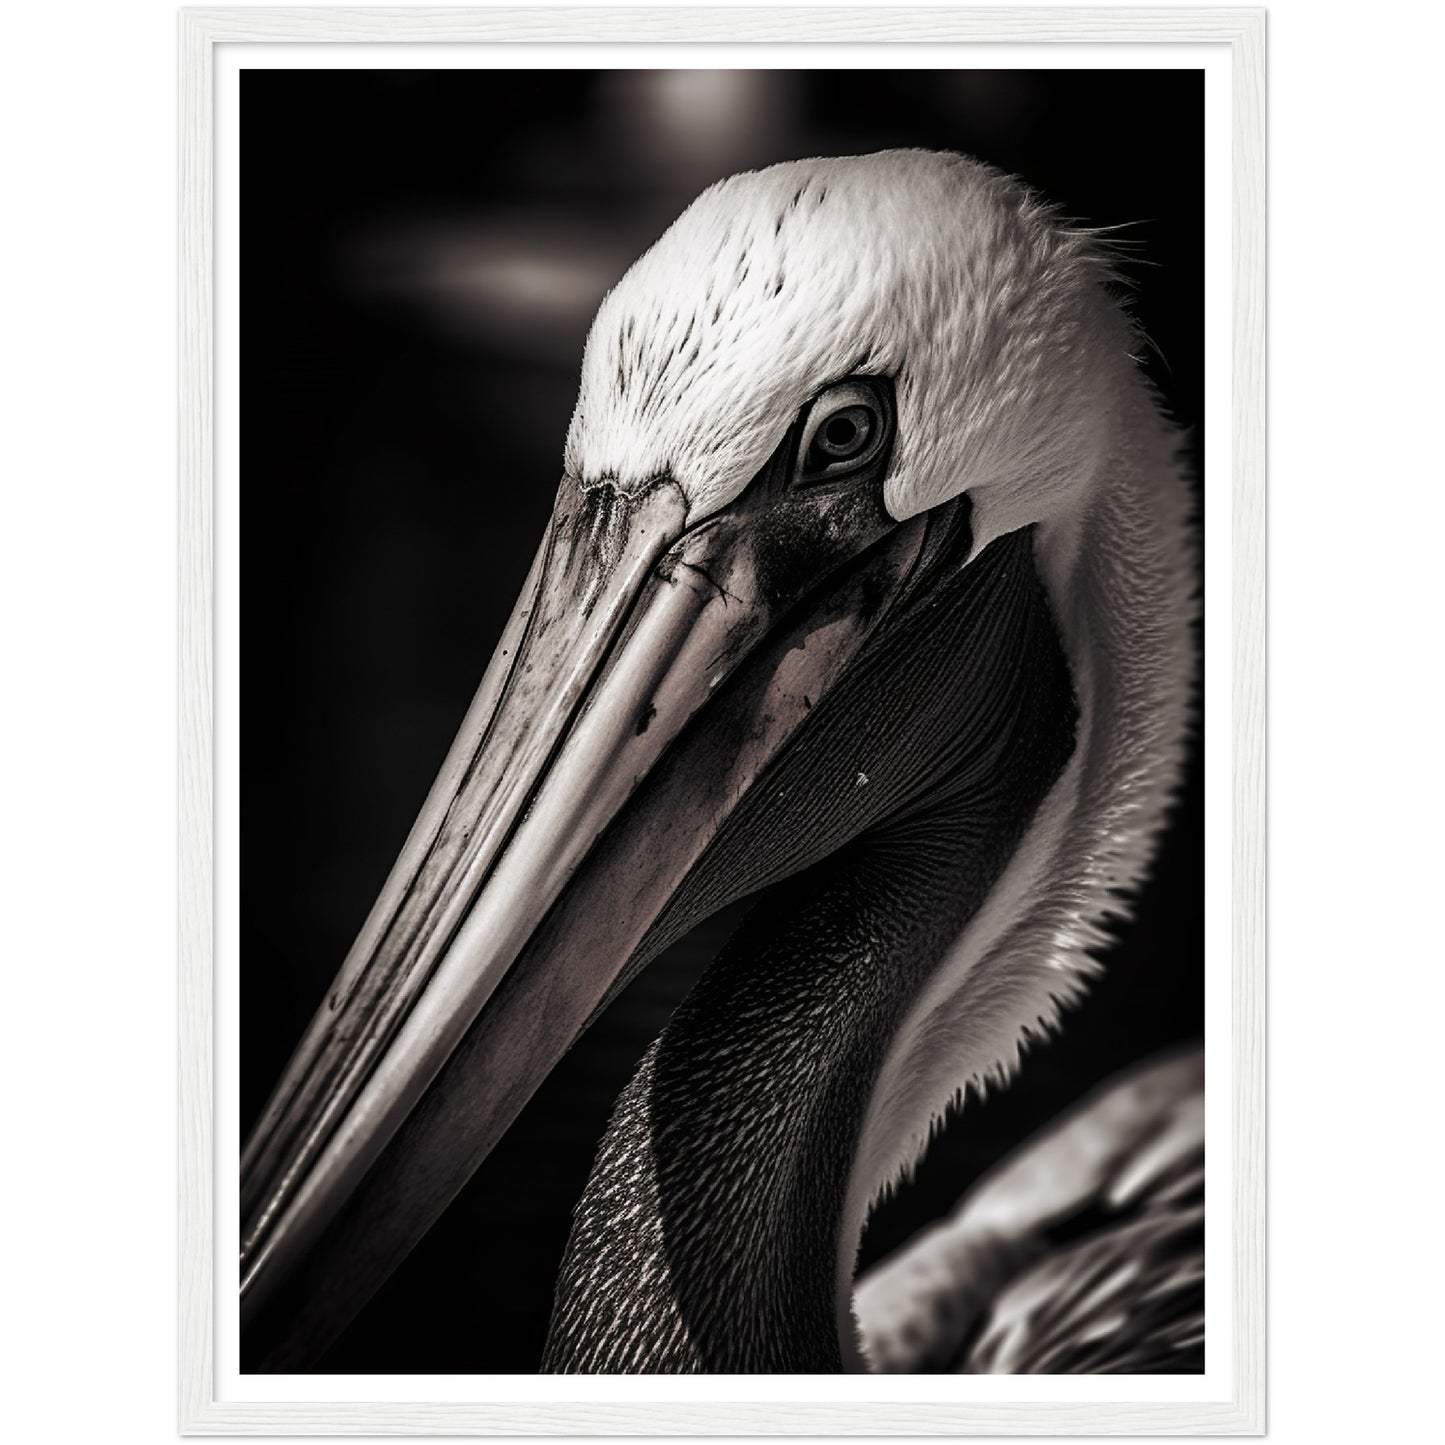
{"x": 709, "y": 1235}
{"x": 1121, "y": 579}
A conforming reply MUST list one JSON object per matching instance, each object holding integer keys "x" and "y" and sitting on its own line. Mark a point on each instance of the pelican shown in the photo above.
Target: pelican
{"x": 868, "y": 592}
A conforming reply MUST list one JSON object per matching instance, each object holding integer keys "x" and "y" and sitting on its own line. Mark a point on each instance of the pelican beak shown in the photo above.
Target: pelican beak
{"x": 649, "y": 673}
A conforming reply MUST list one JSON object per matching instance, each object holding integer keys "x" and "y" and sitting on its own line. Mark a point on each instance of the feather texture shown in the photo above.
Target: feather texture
{"x": 1082, "y": 1253}
{"x": 931, "y": 268}
{"x": 1017, "y": 387}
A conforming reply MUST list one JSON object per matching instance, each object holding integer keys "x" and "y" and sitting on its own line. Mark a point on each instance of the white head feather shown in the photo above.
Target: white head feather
{"x": 929, "y": 268}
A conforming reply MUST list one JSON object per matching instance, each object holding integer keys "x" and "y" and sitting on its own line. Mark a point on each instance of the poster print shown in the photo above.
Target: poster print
{"x": 797, "y": 965}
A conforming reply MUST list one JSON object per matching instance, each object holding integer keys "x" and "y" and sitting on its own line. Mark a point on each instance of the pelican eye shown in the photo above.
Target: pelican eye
{"x": 844, "y": 430}
{"x": 845, "y": 434}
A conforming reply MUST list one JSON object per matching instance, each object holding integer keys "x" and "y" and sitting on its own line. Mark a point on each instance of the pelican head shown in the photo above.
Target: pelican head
{"x": 867, "y": 585}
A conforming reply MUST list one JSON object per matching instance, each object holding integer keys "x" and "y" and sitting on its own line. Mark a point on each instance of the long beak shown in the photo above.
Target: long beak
{"x": 649, "y": 673}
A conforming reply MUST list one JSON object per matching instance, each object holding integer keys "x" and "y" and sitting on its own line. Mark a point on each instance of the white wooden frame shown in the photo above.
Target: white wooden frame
{"x": 1243, "y": 30}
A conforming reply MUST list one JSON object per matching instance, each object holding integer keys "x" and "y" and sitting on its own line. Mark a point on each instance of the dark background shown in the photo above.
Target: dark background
{"x": 422, "y": 252}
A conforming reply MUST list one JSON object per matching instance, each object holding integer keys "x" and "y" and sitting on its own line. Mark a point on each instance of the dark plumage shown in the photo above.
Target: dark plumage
{"x": 707, "y": 1235}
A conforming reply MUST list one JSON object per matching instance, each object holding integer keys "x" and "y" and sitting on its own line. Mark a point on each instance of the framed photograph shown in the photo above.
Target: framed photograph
{"x": 723, "y": 727}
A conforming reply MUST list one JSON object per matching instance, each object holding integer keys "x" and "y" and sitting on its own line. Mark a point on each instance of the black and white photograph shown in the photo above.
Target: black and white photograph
{"x": 719, "y": 721}
{"x": 721, "y": 761}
